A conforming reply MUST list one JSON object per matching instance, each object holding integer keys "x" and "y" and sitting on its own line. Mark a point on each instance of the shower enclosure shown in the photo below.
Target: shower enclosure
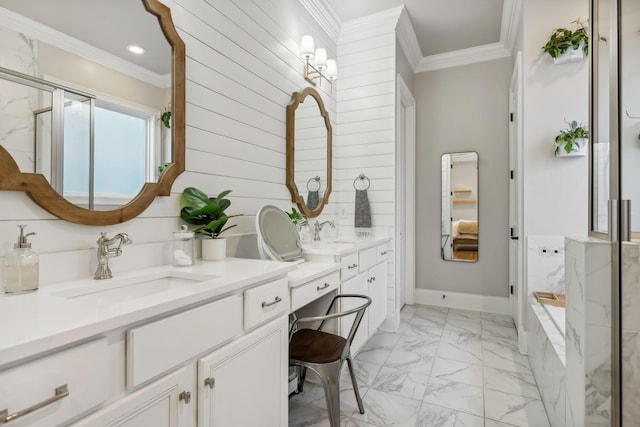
{"x": 615, "y": 185}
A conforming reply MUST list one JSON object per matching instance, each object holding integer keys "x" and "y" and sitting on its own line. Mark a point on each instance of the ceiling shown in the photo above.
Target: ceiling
{"x": 442, "y": 33}
{"x": 107, "y": 25}
{"x": 440, "y": 25}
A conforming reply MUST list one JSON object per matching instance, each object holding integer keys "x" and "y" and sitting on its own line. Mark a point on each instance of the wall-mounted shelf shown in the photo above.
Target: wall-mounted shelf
{"x": 464, "y": 200}
{"x": 462, "y": 190}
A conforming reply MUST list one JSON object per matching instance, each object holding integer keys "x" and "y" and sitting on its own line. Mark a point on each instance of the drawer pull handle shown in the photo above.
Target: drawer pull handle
{"x": 352, "y": 266}
{"x": 373, "y": 279}
{"x": 269, "y": 304}
{"x": 61, "y": 392}
{"x": 186, "y": 396}
{"x": 211, "y": 382}
{"x": 383, "y": 253}
{"x": 325, "y": 286}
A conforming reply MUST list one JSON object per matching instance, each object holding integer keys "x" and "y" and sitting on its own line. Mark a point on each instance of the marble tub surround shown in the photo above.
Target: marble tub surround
{"x": 630, "y": 333}
{"x": 443, "y": 367}
{"x": 545, "y": 264}
{"x": 588, "y": 332}
{"x": 547, "y": 355}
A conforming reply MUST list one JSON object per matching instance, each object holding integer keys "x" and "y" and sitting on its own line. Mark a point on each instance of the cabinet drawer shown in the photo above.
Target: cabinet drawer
{"x": 367, "y": 258}
{"x": 82, "y": 369}
{"x": 349, "y": 267}
{"x": 381, "y": 253}
{"x": 265, "y": 302}
{"x": 304, "y": 294}
{"x": 159, "y": 346}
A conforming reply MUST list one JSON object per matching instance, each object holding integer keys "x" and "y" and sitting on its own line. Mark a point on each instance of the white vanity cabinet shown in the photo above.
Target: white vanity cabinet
{"x": 56, "y": 387}
{"x": 166, "y": 402}
{"x": 171, "y": 380}
{"x": 245, "y": 382}
{"x": 363, "y": 271}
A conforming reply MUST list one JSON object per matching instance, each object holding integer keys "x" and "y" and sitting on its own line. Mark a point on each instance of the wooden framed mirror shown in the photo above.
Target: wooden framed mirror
{"x": 309, "y": 148}
{"x": 43, "y": 169}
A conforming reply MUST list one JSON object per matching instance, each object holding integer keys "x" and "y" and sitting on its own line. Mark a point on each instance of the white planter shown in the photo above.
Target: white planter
{"x": 579, "y": 148}
{"x": 571, "y": 55}
{"x": 214, "y": 249}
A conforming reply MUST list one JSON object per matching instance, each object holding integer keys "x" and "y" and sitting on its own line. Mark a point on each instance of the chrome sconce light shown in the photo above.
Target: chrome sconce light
{"x": 322, "y": 68}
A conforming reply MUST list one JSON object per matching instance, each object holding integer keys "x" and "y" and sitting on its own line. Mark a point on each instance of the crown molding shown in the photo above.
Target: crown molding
{"x": 456, "y": 58}
{"x": 325, "y": 16}
{"x": 385, "y": 21}
{"x": 62, "y": 41}
{"x": 511, "y": 11}
{"x": 408, "y": 40}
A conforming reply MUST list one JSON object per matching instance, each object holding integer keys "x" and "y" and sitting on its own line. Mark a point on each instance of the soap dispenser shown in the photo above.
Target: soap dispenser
{"x": 21, "y": 269}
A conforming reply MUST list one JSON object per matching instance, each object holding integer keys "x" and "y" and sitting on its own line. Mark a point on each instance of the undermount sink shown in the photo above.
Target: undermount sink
{"x": 119, "y": 290}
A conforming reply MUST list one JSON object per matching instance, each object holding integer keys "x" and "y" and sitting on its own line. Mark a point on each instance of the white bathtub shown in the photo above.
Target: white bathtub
{"x": 557, "y": 315}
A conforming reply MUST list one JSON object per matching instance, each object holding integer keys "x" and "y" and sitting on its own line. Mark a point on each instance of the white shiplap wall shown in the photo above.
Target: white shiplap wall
{"x": 242, "y": 66}
{"x": 366, "y": 125}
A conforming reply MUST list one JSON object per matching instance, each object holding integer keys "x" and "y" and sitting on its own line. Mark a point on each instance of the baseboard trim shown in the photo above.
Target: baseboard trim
{"x": 474, "y": 302}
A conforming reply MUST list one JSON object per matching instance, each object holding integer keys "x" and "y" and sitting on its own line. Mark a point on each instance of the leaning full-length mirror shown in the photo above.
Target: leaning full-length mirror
{"x": 459, "y": 223}
{"x": 308, "y": 152}
{"x": 89, "y": 129}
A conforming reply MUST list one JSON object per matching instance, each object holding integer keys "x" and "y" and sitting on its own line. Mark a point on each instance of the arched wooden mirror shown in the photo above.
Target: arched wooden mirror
{"x": 93, "y": 133}
{"x": 308, "y": 152}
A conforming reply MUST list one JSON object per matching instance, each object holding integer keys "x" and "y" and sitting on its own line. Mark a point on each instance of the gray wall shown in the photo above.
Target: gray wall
{"x": 464, "y": 109}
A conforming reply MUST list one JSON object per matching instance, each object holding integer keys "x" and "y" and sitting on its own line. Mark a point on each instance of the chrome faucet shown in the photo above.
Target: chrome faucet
{"x": 317, "y": 227}
{"x": 104, "y": 252}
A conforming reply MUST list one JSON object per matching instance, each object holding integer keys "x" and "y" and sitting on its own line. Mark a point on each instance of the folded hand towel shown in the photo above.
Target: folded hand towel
{"x": 467, "y": 227}
{"x": 362, "y": 217}
{"x": 313, "y": 199}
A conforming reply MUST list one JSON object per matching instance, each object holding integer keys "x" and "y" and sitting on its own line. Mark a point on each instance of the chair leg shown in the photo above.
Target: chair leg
{"x": 302, "y": 374}
{"x": 355, "y": 384}
{"x": 330, "y": 377}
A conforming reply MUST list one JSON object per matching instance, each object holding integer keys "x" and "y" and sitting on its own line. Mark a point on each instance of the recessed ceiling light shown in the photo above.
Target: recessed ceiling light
{"x": 135, "y": 49}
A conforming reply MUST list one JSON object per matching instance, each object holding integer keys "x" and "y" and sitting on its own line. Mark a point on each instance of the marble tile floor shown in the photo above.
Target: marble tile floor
{"x": 442, "y": 368}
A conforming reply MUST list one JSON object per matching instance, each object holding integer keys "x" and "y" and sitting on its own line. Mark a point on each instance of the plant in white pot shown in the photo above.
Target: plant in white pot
{"x": 572, "y": 141}
{"x": 207, "y": 213}
{"x": 565, "y": 45}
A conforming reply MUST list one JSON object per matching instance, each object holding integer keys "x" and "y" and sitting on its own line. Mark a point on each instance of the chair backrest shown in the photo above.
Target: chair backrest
{"x": 358, "y": 311}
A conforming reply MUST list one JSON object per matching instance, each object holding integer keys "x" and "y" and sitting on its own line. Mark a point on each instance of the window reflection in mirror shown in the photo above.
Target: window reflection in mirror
{"x": 459, "y": 222}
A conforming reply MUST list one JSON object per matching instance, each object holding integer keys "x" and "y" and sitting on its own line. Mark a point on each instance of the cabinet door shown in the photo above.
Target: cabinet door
{"x": 245, "y": 382}
{"x": 357, "y": 285}
{"x": 377, "y": 282}
{"x": 168, "y": 402}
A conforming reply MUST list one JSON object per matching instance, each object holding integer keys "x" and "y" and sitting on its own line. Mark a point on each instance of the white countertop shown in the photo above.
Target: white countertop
{"x": 41, "y": 321}
{"x": 341, "y": 246}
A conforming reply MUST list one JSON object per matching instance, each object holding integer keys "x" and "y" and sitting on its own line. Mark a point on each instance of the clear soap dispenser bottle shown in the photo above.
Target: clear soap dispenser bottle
{"x": 21, "y": 270}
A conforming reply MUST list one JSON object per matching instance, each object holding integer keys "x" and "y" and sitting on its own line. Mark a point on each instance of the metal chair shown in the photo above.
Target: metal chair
{"x": 324, "y": 353}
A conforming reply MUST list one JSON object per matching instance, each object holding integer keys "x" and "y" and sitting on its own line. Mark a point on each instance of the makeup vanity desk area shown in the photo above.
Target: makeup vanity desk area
{"x": 195, "y": 354}
{"x": 363, "y": 270}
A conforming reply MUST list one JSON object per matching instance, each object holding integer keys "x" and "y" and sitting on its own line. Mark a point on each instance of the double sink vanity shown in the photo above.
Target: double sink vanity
{"x": 166, "y": 346}
{"x": 173, "y": 346}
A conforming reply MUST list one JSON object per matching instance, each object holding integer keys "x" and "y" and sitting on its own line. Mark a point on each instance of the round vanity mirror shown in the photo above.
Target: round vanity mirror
{"x": 277, "y": 236}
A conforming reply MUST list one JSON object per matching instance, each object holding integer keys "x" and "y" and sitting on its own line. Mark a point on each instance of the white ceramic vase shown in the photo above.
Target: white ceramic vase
{"x": 579, "y": 148}
{"x": 571, "y": 55}
{"x": 214, "y": 249}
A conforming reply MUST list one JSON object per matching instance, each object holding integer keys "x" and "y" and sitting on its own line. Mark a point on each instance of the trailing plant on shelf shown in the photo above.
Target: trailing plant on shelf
{"x": 571, "y": 139}
{"x": 206, "y": 212}
{"x": 562, "y": 39}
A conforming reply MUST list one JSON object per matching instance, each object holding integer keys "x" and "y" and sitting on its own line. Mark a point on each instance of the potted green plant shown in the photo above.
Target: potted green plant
{"x": 165, "y": 116}
{"x": 565, "y": 45}
{"x": 298, "y": 218}
{"x": 208, "y": 213}
{"x": 572, "y": 141}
